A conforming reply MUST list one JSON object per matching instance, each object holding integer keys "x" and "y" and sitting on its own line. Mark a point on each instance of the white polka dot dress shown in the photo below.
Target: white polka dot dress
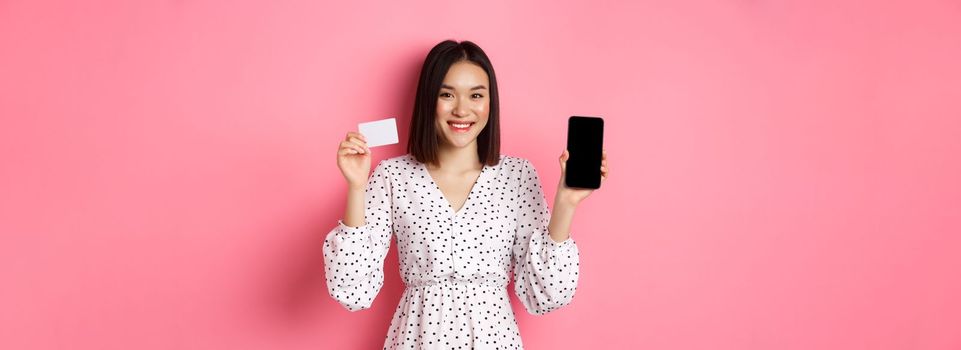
{"x": 455, "y": 265}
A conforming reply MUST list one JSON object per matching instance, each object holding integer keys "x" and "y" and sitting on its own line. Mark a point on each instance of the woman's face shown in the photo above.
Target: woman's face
{"x": 463, "y": 104}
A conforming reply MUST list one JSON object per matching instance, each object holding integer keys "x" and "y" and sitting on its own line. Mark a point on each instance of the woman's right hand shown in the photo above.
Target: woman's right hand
{"x": 353, "y": 159}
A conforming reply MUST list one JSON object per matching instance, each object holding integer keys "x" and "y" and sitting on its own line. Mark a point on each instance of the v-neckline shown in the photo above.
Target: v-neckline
{"x": 440, "y": 193}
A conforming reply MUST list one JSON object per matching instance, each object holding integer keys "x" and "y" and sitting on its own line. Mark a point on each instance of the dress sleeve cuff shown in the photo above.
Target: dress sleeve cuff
{"x": 349, "y": 230}
{"x": 563, "y": 245}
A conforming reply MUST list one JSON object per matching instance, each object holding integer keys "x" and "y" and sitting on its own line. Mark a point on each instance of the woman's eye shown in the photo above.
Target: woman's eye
{"x": 444, "y": 94}
{"x": 478, "y": 95}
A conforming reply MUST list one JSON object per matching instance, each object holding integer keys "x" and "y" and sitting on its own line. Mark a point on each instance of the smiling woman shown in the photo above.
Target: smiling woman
{"x": 457, "y": 86}
{"x": 465, "y": 218}
{"x": 457, "y": 104}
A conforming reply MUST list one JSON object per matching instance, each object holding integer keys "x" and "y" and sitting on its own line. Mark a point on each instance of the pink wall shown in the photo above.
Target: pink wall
{"x": 784, "y": 175}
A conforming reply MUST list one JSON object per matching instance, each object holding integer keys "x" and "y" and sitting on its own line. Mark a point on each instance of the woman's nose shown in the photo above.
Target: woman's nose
{"x": 459, "y": 110}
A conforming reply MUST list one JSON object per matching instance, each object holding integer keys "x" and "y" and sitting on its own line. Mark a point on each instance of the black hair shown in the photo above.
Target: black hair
{"x": 423, "y": 138}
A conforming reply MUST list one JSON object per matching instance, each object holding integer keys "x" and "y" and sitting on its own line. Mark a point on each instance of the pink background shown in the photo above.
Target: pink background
{"x": 784, "y": 174}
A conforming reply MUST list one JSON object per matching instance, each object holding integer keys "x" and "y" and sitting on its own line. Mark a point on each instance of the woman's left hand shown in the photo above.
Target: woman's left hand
{"x": 573, "y": 195}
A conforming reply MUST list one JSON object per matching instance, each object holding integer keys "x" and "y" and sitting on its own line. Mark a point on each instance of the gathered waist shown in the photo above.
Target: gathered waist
{"x": 453, "y": 281}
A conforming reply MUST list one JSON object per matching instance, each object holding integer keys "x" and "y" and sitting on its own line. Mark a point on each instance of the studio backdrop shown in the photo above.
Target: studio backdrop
{"x": 784, "y": 174}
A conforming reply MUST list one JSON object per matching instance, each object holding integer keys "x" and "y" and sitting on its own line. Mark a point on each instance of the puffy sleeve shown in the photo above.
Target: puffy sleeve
{"x": 354, "y": 256}
{"x": 545, "y": 272}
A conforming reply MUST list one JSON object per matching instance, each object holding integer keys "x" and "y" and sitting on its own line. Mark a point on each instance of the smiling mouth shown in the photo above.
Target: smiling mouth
{"x": 460, "y": 127}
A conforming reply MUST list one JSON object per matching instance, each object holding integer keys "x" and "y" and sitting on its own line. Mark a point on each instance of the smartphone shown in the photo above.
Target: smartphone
{"x": 585, "y": 143}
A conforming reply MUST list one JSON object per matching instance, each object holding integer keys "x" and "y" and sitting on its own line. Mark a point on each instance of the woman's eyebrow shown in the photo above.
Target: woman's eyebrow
{"x": 478, "y": 87}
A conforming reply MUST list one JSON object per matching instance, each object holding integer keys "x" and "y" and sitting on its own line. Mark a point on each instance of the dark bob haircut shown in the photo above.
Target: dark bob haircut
{"x": 423, "y": 139}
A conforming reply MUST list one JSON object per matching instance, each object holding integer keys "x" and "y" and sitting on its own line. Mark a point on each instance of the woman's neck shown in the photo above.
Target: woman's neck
{"x": 458, "y": 159}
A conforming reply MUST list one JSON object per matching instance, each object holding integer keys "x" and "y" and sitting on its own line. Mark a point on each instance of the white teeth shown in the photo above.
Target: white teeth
{"x": 460, "y": 126}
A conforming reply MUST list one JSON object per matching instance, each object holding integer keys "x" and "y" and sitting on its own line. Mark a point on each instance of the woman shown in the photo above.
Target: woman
{"x": 463, "y": 214}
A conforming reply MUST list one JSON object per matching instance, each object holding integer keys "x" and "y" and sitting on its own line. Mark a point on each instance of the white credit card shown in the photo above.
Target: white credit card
{"x": 380, "y": 132}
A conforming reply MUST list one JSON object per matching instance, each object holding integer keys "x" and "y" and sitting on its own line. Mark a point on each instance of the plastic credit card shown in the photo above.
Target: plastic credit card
{"x": 379, "y": 132}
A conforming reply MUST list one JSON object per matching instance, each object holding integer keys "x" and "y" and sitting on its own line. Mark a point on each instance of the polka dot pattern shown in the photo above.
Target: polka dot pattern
{"x": 455, "y": 264}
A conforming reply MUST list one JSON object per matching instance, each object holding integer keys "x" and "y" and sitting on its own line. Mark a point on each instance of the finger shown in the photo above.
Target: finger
{"x": 359, "y": 145}
{"x": 357, "y": 138}
{"x": 359, "y": 142}
{"x": 358, "y": 149}
{"x": 353, "y": 146}
{"x": 346, "y": 151}
{"x": 350, "y": 144}
{"x": 355, "y": 134}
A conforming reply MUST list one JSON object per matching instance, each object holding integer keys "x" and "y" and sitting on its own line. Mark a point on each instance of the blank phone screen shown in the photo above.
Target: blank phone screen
{"x": 585, "y": 142}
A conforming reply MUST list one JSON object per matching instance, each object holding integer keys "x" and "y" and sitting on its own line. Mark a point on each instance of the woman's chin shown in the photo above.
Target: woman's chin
{"x": 459, "y": 142}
